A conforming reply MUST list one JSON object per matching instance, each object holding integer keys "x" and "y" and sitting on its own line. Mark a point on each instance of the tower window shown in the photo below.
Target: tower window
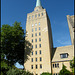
{"x": 40, "y": 65}
{"x": 42, "y": 14}
{"x": 40, "y": 51}
{"x": 29, "y": 17}
{"x": 31, "y": 66}
{"x": 39, "y": 33}
{"x": 36, "y": 59}
{"x": 32, "y": 53}
{"x": 35, "y": 16}
{"x": 40, "y": 45}
{"x": 35, "y": 46}
{"x": 32, "y": 40}
{"x": 39, "y": 15}
{"x": 35, "y": 24}
{"x": 32, "y": 25}
{"x": 39, "y": 28}
{"x": 32, "y": 30}
{"x": 36, "y": 52}
{"x": 39, "y": 39}
{"x": 35, "y": 40}
{"x": 36, "y": 66}
{"x": 35, "y": 29}
{"x": 32, "y": 16}
{"x": 32, "y": 60}
{"x": 32, "y": 46}
{"x": 32, "y": 35}
{"x": 35, "y": 34}
{"x": 40, "y": 59}
{"x": 39, "y": 23}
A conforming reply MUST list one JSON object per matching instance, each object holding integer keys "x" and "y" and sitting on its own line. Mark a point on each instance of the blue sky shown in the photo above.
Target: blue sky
{"x": 16, "y": 10}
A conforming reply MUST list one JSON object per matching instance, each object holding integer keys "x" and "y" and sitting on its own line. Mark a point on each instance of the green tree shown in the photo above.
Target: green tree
{"x": 72, "y": 64}
{"x": 64, "y": 71}
{"x": 46, "y": 73}
{"x": 13, "y": 43}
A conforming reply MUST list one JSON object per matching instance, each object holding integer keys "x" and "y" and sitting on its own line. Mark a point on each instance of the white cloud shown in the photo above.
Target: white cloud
{"x": 64, "y": 42}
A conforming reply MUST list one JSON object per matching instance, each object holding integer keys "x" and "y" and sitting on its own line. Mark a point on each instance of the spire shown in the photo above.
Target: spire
{"x": 38, "y": 3}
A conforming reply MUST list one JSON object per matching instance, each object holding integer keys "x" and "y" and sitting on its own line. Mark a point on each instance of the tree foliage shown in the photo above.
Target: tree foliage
{"x": 46, "y": 73}
{"x": 72, "y": 64}
{"x": 64, "y": 71}
{"x": 13, "y": 43}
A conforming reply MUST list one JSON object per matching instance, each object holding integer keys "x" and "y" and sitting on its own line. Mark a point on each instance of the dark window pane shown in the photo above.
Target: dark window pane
{"x": 40, "y": 51}
{"x": 36, "y": 52}
{"x": 40, "y": 59}
{"x": 31, "y": 66}
{"x": 36, "y": 59}
{"x": 40, "y": 65}
{"x": 35, "y": 46}
{"x": 53, "y": 65}
{"x": 40, "y": 45}
{"x": 32, "y": 59}
{"x": 36, "y": 67}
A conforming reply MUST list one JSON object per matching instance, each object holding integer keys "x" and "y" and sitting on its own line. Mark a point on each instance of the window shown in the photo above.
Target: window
{"x": 64, "y": 55}
{"x": 40, "y": 59}
{"x": 32, "y": 60}
{"x": 42, "y": 14}
{"x": 57, "y": 64}
{"x": 32, "y": 46}
{"x": 32, "y": 30}
{"x": 31, "y": 66}
{"x": 39, "y": 15}
{"x": 39, "y": 28}
{"x": 36, "y": 67}
{"x": 40, "y": 45}
{"x": 32, "y": 53}
{"x": 35, "y": 29}
{"x": 32, "y": 16}
{"x": 53, "y": 65}
{"x": 35, "y": 34}
{"x": 35, "y": 40}
{"x": 32, "y": 25}
{"x": 36, "y": 59}
{"x": 29, "y": 17}
{"x": 40, "y": 51}
{"x": 39, "y": 39}
{"x": 39, "y": 23}
{"x": 40, "y": 65}
{"x": 39, "y": 33}
{"x": 35, "y": 16}
{"x": 32, "y": 35}
{"x": 32, "y": 40}
{"x": 35, "y": 46}
{"x": 56, "y": 73}
{"x": 36, "y": 52}
{"x": 35, "y": 24}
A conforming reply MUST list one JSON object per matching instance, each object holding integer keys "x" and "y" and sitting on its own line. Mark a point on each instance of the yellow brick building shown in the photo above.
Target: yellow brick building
{"x": 44, "y": 57}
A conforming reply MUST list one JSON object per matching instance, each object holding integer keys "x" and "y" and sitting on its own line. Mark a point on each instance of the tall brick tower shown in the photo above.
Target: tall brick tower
{"x": 39, "y": 34}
